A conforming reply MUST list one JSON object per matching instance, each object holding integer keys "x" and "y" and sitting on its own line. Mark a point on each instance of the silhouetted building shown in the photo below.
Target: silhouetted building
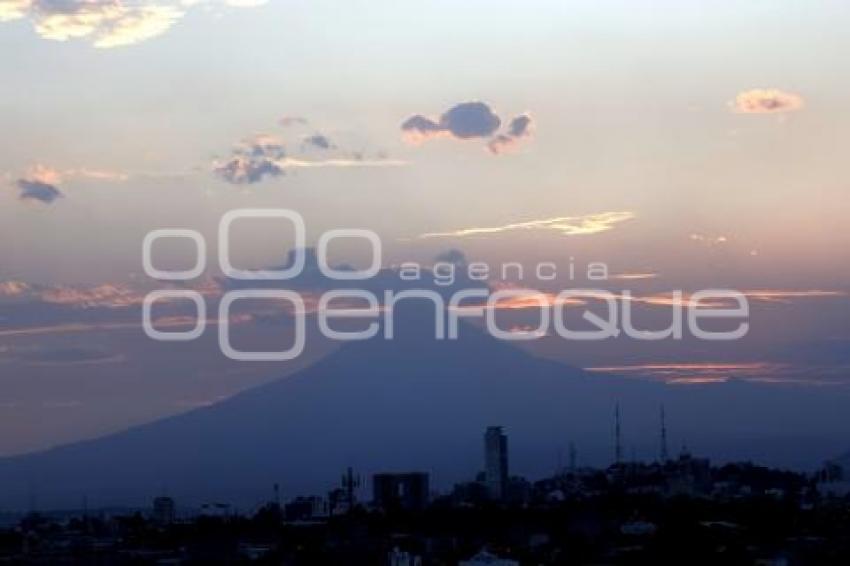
{"x": 407, "y": 491}
{"x": 518, "y": 490}
{"x": 163, "y": 510}
{"x": 831, "y": 480}
{"x": 470, "y": 493}
{"x": 343, "y": 499}
{"x": 216, "y": 509}
{"x": 398, "y": 557}
{"x": 689, "y": 475}
{"x": 484, "y": 557}
{"x": 305, "y": 509}
{"x": 831, "y": 472}
{"x": 496, "y": 462}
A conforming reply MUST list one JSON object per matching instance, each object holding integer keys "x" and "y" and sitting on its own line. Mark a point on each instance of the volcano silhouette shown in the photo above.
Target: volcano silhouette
{"x": 411, "y": 403}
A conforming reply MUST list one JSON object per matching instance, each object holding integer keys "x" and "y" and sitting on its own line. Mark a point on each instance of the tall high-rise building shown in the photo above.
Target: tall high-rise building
{"x": 496, "y": 462}
{"x": 164, "y": 510}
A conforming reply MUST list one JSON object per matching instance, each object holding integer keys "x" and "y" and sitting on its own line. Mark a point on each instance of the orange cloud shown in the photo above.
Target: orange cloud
{"x": 107, "y": 295}
{"x": 767, "y": 101}
{"x": 694, "y": 373}
{"x": 14, "y": 288}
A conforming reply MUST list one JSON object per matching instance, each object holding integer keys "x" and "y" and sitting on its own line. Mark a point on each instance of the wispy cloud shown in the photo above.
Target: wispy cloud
{"x": 760, "y": 295}
{"x": 265, "y": 156}
{"x": 786, "y": 296}
{"x": 767, "y": 101}
{"x": 633, "y": 276}
{"x": 62, "y": 356}
{"x": 700, "y": 373}
{"x": 563, "y": 225}
{"x": 104, "y": 295}
{"x": 541, "y": 299}
{"x": 692, "y": 373}
{"x": 709, "y": 240}
{"x": 67, "y": 328}
{"x": 293, "y": 163}
{"x": 43, "y": 184}
{"x": 97, "y": 174}
{"x": 291, "y": 121}
{"x": 162, "y": 322}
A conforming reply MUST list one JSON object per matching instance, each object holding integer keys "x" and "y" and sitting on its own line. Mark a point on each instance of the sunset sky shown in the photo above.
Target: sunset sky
{"x": 687, "y": 144}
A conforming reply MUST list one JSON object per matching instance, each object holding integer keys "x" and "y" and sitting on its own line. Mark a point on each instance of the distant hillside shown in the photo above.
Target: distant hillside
{"x": 419, "y": 404}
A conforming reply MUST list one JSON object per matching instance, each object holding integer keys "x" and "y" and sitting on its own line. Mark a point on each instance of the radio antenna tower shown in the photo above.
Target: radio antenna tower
{"x": 664, "y": 454}
{"x": 618, "y": 440}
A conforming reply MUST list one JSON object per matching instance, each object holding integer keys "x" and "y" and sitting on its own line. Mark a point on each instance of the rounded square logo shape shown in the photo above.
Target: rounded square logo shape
{"x": 165, "y": 233}
{"x": 224, "y": 325}
{"x": 261, "y": 274}
{"x": 349, "y": 233}
{"x": 167, "y": 294}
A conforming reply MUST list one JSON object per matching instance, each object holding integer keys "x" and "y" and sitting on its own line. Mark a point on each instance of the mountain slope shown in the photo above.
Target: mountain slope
{"x": 416, "y": 403}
